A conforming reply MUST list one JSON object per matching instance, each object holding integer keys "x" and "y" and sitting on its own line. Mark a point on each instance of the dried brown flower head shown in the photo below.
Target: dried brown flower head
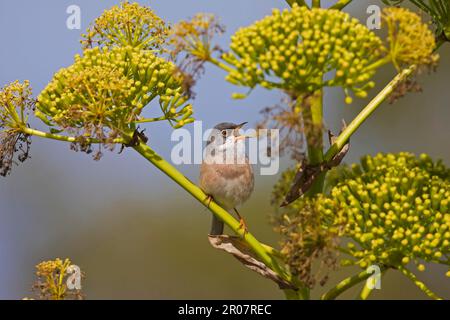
{"x": 192, "y": 45}
{"x": 15, "y": 105}
{"x": 308, "y": 247}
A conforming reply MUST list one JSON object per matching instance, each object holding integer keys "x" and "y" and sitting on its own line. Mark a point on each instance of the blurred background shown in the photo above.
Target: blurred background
{"x": 133, "y": 232}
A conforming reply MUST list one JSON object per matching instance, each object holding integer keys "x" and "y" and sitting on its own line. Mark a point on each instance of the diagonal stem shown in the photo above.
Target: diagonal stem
{"x": 366, "y": 290}
{"x": 346, "y": 284}
{"x": 48, "y": 135}
{"x": 419, "y": 283}
{"x": 316, "y": 3}
{"x": 301, "y": 3}
{"x": 341, "y": 4}
{"x": 366, "y": 112}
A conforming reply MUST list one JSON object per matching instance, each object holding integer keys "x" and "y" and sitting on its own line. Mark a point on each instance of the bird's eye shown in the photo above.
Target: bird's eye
{"x": 224, "y": 133}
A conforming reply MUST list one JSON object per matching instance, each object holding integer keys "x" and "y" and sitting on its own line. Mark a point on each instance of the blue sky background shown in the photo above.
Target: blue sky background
{"x": 108, "y": 214}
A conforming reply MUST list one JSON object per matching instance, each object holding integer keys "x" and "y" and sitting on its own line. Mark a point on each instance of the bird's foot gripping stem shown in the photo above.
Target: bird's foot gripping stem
{"x": 242, "y": 224}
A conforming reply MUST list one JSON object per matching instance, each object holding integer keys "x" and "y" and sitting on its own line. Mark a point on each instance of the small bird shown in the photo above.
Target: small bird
{"x": 226, "y": 174}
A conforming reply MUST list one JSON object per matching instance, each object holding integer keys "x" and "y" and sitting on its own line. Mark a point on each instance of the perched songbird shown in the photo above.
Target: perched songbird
{"x": 226, "y": 174}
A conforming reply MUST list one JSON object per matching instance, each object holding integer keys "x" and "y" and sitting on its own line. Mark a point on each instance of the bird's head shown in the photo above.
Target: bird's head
{"x": 225, "y": 135}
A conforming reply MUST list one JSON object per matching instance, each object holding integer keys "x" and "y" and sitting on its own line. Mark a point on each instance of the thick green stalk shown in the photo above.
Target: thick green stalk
{"x": 217, "y": 210}
{"x": 301, "y": 3}
{"x": 366, "y": 112}
{"x": 316, "y": 3}
{"x": 301, "y": 294}
{"x": 312, "y": 107}
{"x": 312, "y": 110}
{"x": 419, "y": 283}
{"x": 345, "y": 285}
{"x": 341, "y": 4}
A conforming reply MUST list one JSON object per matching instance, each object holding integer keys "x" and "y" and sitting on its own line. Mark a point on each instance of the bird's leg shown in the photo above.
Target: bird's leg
{"x": 242, "y": 224}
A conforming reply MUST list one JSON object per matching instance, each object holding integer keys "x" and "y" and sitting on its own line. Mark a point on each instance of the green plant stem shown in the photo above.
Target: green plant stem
{"x": 301, "y": 3}
{"x": 302, "y": 294}
{"x": 259, "y": 249}
{"x": 47, "y": 135}
{"x": 379, "y": 63}
{"x": 419, "y": 283}
{"x": 272, "y": 251}
{"x": 366, "y": 112}
{"x": 312, "y": 107}
{"x": 147, "y": 120}
{"x": 365, "y": 292}
{"x": 220, "y": 64}
{"x": 341, "y": 4}
{"x": 372, "y": 106}
{"x": 316, "y": 3}
{"x": 345, "y": 285}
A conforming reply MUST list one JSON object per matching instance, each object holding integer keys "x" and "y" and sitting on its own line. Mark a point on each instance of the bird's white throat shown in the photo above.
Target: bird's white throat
{"x": 231, "y": 152}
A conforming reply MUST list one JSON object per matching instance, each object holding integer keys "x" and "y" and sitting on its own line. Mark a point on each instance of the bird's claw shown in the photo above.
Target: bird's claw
{"x": 243, "y": 226}
{"x": 208, "y": 200}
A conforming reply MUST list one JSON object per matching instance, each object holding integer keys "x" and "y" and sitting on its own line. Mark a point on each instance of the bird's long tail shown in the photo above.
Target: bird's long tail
{"x": 216, "y": 226}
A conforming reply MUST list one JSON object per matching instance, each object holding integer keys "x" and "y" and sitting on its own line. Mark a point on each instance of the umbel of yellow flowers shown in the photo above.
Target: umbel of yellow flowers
{"x": 301, "y": 50}
{"x": 109, "y": 87}
{"x": 294, "y": 49}
{"x": 393, "y": 208}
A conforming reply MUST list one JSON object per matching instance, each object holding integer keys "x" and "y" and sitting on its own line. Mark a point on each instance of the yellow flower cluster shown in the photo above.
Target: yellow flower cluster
{"x": 410, "y": 40}
{"x": 293, "y": 49}
{"x": 392, "y": 208}
{"x": 49, "y": 268}
{"x": 15, "y": 103}
{"x": 109, "y": 87}
{"x": 52, "y": 277}
{"x": 127, "y": 24}
{"x": 395, "y": 208}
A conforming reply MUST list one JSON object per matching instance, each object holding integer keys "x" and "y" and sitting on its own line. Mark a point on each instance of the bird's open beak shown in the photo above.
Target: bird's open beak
{"x": 243, "y": 137}
{"x": 239, "y": 126}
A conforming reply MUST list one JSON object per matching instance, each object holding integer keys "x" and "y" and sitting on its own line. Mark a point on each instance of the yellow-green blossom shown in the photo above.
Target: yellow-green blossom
{"x": 293, "y": 49}
{"x": 107, "y": 89}
{"x": 410, "y": 39}
{"x": 394, "y": 209}
{"x": 127, "y": 24}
